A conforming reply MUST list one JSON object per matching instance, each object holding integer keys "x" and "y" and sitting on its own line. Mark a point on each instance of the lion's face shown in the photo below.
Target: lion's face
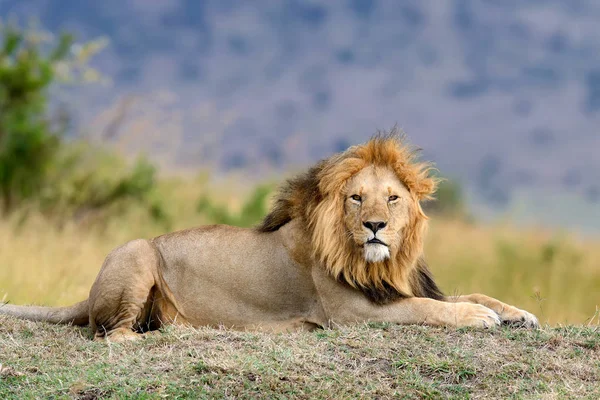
{"x": 377, "y": 208}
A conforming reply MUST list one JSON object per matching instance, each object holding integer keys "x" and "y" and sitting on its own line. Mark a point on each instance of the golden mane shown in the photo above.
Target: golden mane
{"x": 317, "y": 199}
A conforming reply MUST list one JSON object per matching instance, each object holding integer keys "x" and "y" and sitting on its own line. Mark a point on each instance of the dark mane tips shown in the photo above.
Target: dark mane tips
{"x": 381, "y": 295}
{"x": 423, "y": 284}
{"x": 278, "y": 217}
{"x": 293, "y": 199}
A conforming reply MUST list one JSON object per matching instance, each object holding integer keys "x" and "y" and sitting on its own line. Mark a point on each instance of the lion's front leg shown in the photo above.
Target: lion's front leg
{"x": 418, "y": 310}
{"x": 509, "y": 314}
{"x": 345, "y": 305}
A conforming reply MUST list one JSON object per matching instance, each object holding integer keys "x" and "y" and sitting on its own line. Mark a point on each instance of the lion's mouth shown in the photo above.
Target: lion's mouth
{"x": 376, "y": 241}
{"x": 376, "y": 251}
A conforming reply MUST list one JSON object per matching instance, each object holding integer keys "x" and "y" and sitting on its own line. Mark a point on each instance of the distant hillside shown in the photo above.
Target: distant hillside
{"x": 504, "y": 95}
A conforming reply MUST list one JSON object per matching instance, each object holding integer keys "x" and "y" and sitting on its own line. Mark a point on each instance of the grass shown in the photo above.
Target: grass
{"x": 371, "y": 361}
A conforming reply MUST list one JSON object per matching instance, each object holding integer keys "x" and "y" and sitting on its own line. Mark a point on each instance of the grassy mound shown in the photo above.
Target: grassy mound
{"x": 371, "y": 361}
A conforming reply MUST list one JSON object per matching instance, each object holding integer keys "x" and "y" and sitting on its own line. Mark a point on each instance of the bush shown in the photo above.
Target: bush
{"x": 89, "y": 183}
{"x": 65, "y": 180}
{"x": 28, "y": 145}
{"x": 449, "y": 200}
{"x": 251, "y": 213}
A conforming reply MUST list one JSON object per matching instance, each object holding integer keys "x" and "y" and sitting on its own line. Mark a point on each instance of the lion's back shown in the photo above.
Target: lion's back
{"x": 213, "y": 270}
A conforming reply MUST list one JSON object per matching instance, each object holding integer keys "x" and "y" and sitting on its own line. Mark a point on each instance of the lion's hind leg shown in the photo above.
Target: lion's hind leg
{"x": 509, "y": 315}
{"x": 121, "y": 298}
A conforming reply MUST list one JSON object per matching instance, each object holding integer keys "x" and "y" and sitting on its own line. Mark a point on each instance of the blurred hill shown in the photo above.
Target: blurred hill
{"x": 503, "y": 95}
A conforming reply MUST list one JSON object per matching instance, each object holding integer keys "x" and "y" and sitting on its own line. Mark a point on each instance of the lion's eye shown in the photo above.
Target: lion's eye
{"x": 393, "y": 198}
{"x": 356, "y": 197}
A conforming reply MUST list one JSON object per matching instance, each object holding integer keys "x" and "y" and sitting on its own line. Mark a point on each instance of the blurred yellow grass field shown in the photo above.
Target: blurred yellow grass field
{"x": 556, "y": 276}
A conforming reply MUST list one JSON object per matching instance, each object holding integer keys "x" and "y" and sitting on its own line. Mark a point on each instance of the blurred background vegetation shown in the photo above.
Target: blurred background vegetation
{"x": 67, "y": 201}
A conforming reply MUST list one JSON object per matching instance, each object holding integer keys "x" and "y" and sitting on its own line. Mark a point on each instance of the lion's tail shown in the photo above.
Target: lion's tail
{"x": 77, "y": 314}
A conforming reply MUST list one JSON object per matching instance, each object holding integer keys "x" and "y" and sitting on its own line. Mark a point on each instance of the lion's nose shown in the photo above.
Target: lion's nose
{"x": 374, "y": 225}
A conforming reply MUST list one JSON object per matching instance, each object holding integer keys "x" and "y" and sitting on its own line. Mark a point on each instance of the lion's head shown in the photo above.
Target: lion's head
{"x": 362, "y": 211}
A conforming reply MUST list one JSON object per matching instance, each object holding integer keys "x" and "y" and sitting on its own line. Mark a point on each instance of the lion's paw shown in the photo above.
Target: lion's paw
{"x": 517, "y": 317}
{"x": 475, "y": 315}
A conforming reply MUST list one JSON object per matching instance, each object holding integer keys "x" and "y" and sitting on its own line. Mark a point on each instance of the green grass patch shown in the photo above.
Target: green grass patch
{"x": 367, "y": 361}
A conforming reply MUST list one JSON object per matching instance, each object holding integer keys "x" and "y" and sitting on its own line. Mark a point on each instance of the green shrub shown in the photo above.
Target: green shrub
{"x": 251, "y": 213}
{"x": 28, "y": 144}
{"x": 38, "y": 167}
{"x": 88, "y": 183}
{"x": 449, "y": 200}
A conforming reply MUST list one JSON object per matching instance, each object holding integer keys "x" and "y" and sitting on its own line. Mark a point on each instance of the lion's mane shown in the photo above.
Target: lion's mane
{"x": 317, "y": 199}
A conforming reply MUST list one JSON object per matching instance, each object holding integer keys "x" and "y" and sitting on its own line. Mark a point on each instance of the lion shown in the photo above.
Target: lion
{"x": 342, "y": 244}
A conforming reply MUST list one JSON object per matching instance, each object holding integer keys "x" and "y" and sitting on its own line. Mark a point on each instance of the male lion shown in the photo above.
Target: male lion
{"x": 343, "y": 244}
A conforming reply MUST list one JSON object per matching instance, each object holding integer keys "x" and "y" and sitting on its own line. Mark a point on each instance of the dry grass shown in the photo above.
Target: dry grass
{"x": 372, "y": 361}
{"x": 552, "y": 274}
